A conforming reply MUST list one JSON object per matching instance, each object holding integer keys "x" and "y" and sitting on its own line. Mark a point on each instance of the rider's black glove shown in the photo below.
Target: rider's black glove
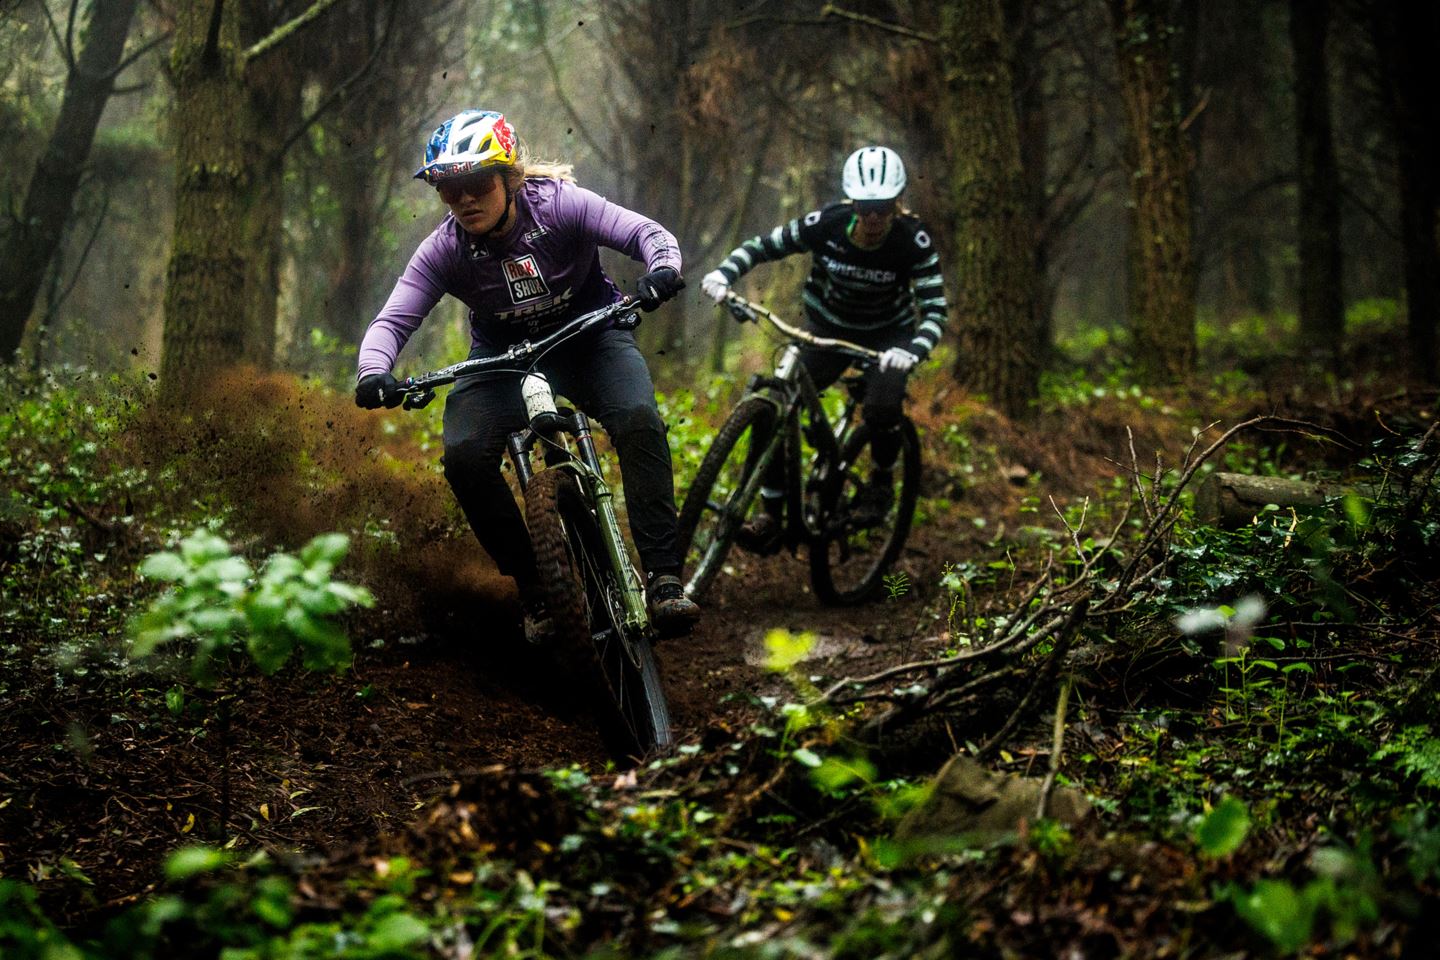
{"x": 657, "y": 286}
{"x": 378, "y": 390}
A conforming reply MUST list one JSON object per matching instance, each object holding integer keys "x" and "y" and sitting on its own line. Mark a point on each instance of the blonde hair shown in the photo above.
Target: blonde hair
{"x": 527, "y": 167}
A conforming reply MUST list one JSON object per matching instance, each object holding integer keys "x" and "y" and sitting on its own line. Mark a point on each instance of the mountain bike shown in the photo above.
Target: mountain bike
{"x": 592, "y": 590}
{"x": 782, "y": 415}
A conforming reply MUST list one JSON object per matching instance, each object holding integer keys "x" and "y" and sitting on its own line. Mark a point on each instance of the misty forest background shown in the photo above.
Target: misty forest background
{"x": 1166, "y": 623}
{"x": 190, "y": 185}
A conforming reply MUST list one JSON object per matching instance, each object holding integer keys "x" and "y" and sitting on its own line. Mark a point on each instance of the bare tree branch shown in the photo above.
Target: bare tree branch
{"x": 830, "y": 10}
{"x": 286, "y": 30}
{"x": 343, "y": 87}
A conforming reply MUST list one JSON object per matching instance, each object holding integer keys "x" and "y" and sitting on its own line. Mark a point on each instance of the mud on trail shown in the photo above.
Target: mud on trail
{"x": 106, "y": 776}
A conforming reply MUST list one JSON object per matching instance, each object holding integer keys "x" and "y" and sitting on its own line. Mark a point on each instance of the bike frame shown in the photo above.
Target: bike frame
{"x": 790, "y": 391}
{"x": 550, "y": 428}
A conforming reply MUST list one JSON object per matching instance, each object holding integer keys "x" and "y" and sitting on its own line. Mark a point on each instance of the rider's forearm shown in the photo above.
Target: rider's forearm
{"x": 929, "y": 288}
{"x": 775, "y": 245}
{"x": 404, "y": 311}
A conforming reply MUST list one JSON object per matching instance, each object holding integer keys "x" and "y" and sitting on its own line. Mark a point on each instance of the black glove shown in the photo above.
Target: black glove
{"x": 657, "y": 286}
{"x": 378, "y": 390}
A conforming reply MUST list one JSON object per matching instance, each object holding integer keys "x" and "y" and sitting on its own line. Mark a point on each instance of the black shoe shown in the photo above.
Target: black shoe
{"x": 760, "y": 534}
{"x": 672, "y": 613}
{"x": 873, "y": 500}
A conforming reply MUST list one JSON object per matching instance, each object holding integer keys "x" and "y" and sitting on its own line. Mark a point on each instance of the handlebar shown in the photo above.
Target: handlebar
{"x": 747, "y": 311}
{"x": 420, "y": 390}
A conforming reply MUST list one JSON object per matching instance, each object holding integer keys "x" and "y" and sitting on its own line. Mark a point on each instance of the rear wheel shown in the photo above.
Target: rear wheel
{"x": 718, "y": 499}
{"x": 853, "y": 552}
{"x": 584, "y": 598}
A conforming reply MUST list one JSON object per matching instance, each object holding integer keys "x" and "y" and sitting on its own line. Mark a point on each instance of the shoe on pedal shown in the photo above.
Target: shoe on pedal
{"x": 672, "y": 613}
{"x": 873, "y": 500}
{"x": 760, "y": 534}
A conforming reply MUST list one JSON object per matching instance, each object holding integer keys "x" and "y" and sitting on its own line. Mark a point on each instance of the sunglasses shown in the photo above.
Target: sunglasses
{"x": 475, "y": 184}
{"x": 872, "y": 207}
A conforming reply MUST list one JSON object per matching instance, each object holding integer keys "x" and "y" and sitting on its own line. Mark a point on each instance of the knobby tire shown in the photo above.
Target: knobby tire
{"x": 615, "y": 666}
{"x": 715, "y": 522}
{"x": 841, "y": 588}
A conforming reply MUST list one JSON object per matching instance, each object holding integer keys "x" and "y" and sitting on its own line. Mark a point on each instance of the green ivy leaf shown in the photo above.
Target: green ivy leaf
{"x": 164, "y": 566}
{"x": 328, "y": 547}
{"x": 396, "y": 932}
{"x": 188, "y": 862}
{"x": 808, "y": 757}
{"x": 270, "y": 649}
{"x": 1279, "y": 912}
{"x": 1223, "y": 829}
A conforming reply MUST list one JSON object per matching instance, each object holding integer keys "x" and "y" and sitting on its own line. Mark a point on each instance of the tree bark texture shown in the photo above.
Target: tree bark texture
{"x": 1033, "y": 120}
{"x": 1406, "y": 35}
{"x": 1233, "y": 500}
{"x": 205, "y": 286}
{"x": 993, "y": 271}
{"x": 1322, "y": 307}
{"x": 273, "y": 92}
{"x": 31, "y": 242}
{"x": 1162, "y": 263}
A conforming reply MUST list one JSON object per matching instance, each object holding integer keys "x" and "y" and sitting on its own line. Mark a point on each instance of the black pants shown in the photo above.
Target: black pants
{"x": 605, "y": 375}
{"x": 882, "y": 408}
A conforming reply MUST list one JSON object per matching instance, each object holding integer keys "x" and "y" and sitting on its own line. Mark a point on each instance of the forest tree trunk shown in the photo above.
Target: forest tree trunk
{"x": 345, "y": 315}
{"x": 1162, "y": 263}
{"x": 205, "y": 285}
{"x": 993, "y": 269}
{"x": 275, "y": 95}
{"x": 1406, "y": 38}
{"x": 30, "y": 244}
{"x": 1322, "y": 305}
{"x": 1027, "y": 62}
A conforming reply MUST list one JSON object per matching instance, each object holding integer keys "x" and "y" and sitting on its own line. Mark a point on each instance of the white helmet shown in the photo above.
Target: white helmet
{"x": 874, "y": 173}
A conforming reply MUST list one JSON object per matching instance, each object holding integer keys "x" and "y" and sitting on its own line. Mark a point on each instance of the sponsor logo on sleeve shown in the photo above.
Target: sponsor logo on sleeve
{"x": 524, "y": 278}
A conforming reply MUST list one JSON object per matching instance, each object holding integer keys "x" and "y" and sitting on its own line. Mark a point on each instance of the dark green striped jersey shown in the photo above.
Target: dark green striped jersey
{"x": 896, "y": 284}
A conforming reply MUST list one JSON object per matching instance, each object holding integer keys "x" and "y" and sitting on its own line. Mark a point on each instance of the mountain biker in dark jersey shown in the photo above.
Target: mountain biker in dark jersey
{"x": 875, "y": 280}
{"x": 519, "y": 247}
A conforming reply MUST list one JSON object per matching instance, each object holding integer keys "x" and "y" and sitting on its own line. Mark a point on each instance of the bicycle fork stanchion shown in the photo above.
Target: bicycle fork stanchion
{"x": 632, "y": 591}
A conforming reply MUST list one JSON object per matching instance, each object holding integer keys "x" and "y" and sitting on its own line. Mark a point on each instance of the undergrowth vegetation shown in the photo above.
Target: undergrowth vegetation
{"x": 1258, "y": 730}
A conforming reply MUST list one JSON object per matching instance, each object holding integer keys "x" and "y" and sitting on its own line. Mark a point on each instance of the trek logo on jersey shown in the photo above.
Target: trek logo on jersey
{"x": 525, "y": 280}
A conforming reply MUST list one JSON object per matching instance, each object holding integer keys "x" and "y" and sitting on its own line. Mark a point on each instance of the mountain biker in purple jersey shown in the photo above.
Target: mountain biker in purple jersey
{"x": 519, "y": 247}
{"x": 875, "y": 280}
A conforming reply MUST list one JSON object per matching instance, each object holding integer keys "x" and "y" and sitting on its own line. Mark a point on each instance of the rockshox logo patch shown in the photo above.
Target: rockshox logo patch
{"x": 525, "y": 280}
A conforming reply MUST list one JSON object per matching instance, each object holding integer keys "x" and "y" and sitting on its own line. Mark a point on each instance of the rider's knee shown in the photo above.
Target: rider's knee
{"x": 635, "y": 420}
{"x": 883, "y": 416}
{"x": 470, "y": 459}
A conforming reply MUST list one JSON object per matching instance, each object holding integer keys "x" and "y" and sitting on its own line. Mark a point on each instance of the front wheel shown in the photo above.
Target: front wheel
{"x": 584, "y": 597}
{"x": 859, "y": 537}
{"x": 723, "y": 491}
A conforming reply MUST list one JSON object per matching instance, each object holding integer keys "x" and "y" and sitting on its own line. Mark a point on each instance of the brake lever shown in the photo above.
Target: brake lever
{"x": 414, "y": 401}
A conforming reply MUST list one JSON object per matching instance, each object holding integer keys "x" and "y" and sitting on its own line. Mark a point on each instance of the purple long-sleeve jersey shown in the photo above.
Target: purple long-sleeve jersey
{"x": 543, "y": 272}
